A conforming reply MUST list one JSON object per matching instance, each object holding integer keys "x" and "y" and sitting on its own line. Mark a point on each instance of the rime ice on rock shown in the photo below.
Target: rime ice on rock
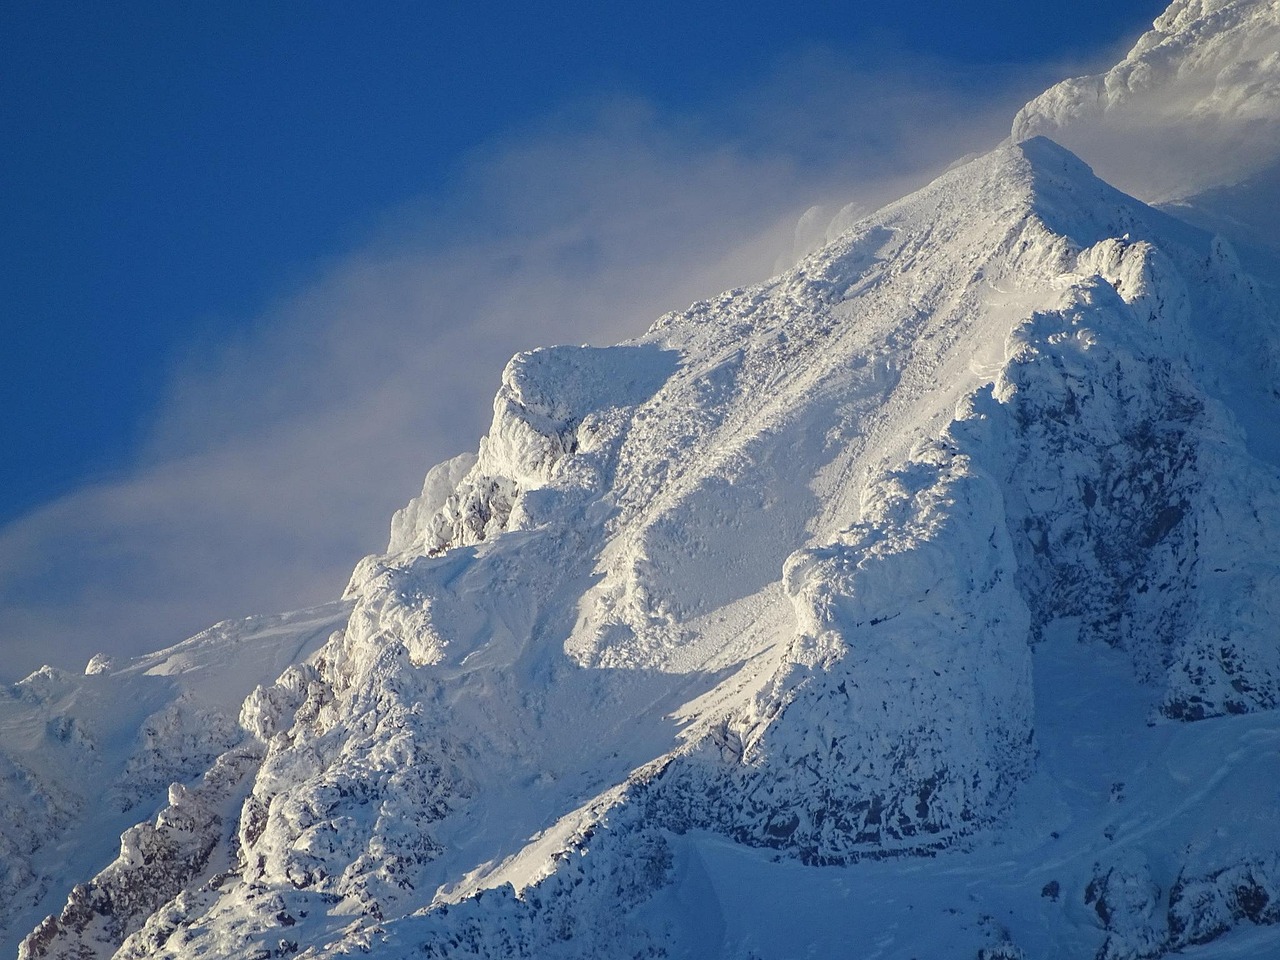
{"x": 945, "y": 561}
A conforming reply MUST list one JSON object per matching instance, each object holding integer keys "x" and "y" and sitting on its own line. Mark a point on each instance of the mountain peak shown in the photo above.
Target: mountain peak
{"x": 1041, "y": 151}
{"x": 942, "y": 561}
{"x": 1194, "y": 105}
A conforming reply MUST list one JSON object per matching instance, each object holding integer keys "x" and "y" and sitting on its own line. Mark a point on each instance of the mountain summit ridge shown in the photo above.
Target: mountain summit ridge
{"x": 941, "y": 562}
{"x": 1195, "y": 105}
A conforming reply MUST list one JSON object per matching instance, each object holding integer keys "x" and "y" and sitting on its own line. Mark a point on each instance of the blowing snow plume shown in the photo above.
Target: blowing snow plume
{"x": 278, "y": 457}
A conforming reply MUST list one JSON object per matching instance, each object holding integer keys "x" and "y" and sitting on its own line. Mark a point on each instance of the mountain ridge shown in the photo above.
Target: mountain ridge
{"x": 811, "y": 581}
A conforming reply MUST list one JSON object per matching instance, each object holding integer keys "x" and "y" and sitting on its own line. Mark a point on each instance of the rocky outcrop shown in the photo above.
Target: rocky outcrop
{"x": 157, "y": 862}
{"x": 1143, "y": 921}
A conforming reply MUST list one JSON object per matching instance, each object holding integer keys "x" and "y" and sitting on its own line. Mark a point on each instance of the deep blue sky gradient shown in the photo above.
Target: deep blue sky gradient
{"x": 168, "y": 169}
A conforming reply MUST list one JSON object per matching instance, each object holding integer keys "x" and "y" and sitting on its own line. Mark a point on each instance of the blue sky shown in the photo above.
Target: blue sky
{"x": 238, "y": 236}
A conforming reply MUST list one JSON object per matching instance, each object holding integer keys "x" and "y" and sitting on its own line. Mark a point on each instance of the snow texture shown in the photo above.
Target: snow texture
{"x": 83, "y": 758}
{"x": 1195, "y": 104}
{"x": 923, "y": 598}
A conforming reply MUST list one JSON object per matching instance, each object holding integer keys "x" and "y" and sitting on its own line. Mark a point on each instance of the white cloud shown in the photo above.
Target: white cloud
{"x": 278, "y": 457}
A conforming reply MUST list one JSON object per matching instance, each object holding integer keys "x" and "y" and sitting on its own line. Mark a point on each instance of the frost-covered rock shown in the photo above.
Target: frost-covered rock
{"x": 1142, "y": 920}
{"x": 901, "y": 717}
{"x": 856, "y": 607}
{"x": 111, "y": 742}
{"x": 1203, "y": 908}
{"x": 98, "y": 663}
{"x": 826, "y": 521}
{"x": 157, "y": 861}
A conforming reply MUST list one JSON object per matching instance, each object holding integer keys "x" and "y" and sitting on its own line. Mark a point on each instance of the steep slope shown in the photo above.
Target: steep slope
{"x": 85, "y": 757}
{"x": 1188, "y": 120}
{"x": 923, "y": 548}
{"x": 1194, "y": 106}
{"x": 919, "y": 602}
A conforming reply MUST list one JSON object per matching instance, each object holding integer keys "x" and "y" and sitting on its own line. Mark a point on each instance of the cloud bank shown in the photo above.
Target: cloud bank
{"x": 277, "y": 458}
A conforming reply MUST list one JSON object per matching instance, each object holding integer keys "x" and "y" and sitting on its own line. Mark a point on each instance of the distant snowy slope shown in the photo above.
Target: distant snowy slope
{"x": 84, "y": 757}
{"x": 1195, "y": 105}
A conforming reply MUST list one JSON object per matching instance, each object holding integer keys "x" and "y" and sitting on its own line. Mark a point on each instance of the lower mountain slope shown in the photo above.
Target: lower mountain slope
{"x": 922, "y": 599}
{"x": 82, "y": 758}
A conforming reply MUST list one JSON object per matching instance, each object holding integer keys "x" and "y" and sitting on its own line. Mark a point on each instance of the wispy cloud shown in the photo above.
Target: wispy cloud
{"x": 278, "y": 457}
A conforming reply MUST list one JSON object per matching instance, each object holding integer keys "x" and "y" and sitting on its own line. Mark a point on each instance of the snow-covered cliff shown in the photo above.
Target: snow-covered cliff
{"x": 923, "y": 598}
{"x": 83, "y": 758}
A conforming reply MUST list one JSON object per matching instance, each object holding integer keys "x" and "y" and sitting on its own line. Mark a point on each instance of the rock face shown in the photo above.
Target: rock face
{"x": 157, "y": 862}
{"x": 924, "y": 596}
{"x": 84, "y": 758}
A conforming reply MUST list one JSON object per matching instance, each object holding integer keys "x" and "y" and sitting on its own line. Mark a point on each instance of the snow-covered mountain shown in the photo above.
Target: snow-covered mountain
{"x": 1194, "y": 106}
{"x": 922, "y": 601}
{"x": 82, "y": 758}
